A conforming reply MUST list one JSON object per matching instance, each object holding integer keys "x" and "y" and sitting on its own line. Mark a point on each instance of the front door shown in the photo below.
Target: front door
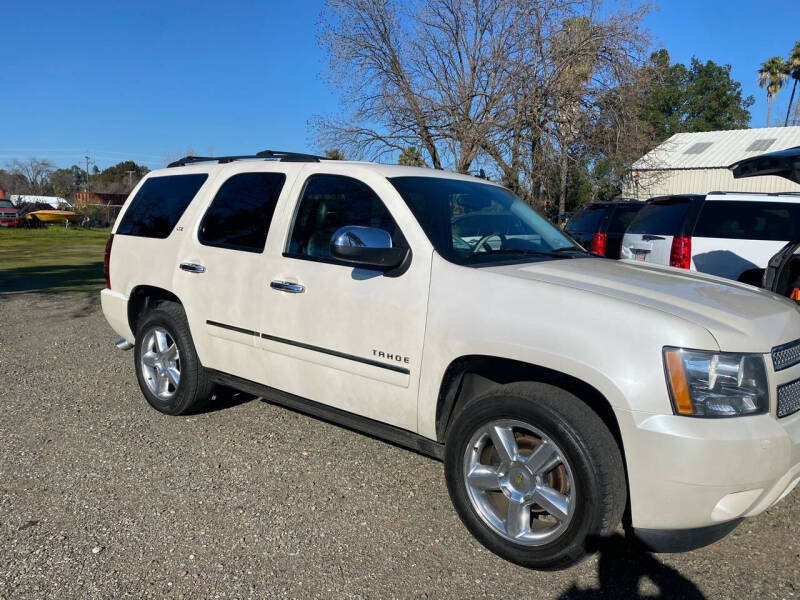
{"x": 347, "y": 337}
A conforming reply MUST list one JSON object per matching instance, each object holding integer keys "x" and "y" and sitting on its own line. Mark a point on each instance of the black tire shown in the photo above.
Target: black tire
{"x": 194, "y": 389}
{"x": 586, "y": 443}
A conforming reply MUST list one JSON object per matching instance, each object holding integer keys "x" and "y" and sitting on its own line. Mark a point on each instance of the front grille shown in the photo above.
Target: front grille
{"x": 788, "y": 398}
{"x": 786, "y": 356}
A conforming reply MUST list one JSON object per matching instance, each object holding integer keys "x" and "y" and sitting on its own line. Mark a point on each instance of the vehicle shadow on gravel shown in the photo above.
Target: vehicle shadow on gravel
{"x": 224, "y": 398}
{"x": 52, "y": 277}
{"x": 625, "y": 569}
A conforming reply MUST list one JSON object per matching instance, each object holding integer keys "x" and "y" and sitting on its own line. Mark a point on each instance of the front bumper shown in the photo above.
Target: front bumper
{"x": 687, "y": 473}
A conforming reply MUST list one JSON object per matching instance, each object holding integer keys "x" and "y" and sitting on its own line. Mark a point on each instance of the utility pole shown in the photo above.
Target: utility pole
{"x": 130, "y": 178}
{"x": 86, "y": 188}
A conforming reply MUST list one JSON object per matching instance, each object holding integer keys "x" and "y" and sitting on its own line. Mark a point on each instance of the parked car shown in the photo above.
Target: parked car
{"x": 728, "y": 234}
{"x": 782, "y": 274}
{"x": 9, "y": 215}
{"x": 561, "y": 389}
{"x": 599, "y": 226}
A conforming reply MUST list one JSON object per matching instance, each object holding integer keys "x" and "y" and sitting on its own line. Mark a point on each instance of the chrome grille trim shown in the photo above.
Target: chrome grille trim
{"x": 788, "y": 398}
{"x": 786, "y": 356}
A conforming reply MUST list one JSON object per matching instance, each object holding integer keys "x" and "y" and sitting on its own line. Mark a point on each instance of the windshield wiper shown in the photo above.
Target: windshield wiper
{"x": 525, "y": 252}
{"x": 570, "y": 249}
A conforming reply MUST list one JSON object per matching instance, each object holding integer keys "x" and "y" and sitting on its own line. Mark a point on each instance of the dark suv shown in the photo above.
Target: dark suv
{"x": 599, "y": 226}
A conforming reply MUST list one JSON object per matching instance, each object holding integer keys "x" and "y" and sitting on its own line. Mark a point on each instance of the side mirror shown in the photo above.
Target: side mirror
{"x": 366, "y": 246}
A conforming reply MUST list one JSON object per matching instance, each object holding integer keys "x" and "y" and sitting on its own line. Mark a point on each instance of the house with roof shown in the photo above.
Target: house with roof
{"x": 697, "y": 163}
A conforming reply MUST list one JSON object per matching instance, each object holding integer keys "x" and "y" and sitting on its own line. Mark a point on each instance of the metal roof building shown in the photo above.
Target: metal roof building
{"x": 697, "y": 163}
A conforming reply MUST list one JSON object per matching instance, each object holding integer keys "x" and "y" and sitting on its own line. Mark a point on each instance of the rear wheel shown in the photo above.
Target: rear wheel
{"x": 167, "y": 366}
{"x": 534, "y": 474}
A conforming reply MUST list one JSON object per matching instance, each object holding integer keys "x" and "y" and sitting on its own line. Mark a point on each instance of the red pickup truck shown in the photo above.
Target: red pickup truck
{"x": 9, "y": 215}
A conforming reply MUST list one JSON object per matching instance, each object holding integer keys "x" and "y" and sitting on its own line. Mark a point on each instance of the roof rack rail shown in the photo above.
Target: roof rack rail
{"x": 722, "y": 193}
{"x": 264, "y": 154}
{"x": 289, "y": 156}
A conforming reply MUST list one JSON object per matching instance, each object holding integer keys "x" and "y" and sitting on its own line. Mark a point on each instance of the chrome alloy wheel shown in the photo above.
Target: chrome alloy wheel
{"x": 161, "y": 363}
{"x": 519, "y": 482}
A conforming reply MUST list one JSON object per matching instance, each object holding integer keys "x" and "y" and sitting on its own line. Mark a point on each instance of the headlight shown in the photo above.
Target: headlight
{"x": 716, "y": 384}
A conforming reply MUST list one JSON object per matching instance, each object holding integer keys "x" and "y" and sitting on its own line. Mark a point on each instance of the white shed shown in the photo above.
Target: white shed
{"x": 697, "y": 163}
{"x": 54, "y": 201}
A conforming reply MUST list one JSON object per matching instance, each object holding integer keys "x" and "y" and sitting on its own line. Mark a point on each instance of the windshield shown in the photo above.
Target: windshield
{"x": 6, "y": 204}
{"x": 472, "y": 223}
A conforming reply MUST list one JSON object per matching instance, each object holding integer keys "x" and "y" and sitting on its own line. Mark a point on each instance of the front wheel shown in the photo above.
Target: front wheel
{"x": 167, "y": 366}
{"x": 534, "y": 473}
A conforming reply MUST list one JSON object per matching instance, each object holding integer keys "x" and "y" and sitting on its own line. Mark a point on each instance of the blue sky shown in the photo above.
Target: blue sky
{"x": 148, "y": 80}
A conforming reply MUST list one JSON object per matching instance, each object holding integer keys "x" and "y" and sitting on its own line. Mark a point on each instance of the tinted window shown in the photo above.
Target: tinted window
{"x": 477, "y": 223}
{"x": 240, "y": 214}
{"x": 6, "y": 204}
{"x": 159, "y": 204}
{"x": 622, "y": 218}
{"x": 664, "y": 217}
{"x": 587, "y": 219}
{"x": 329, "y": 202}
{"x": 775, "y": 221}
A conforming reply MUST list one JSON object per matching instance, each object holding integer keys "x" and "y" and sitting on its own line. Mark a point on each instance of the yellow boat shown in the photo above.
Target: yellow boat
{"x": 53, "y": 216}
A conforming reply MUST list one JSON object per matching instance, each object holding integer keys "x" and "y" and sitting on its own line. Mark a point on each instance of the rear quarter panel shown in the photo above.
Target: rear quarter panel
{"x": 137, "y": 261}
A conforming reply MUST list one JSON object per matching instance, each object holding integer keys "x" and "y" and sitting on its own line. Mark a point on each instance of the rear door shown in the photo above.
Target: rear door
{"x": 735, "y": 238}
{"x": 649, "y": 237}
{"x": 220, "y": 275}
{"x": 588, "y": 220}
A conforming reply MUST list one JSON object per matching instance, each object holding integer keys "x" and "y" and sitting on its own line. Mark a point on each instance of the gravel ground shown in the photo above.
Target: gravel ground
{"x": 103, "y": 497}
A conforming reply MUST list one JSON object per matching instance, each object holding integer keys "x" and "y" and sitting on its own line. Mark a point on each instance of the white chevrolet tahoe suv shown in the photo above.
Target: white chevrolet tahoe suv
{"x": 561, "y": 389}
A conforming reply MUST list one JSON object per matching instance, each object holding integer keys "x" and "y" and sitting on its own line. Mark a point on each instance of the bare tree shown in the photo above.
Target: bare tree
{"x": 517, "y": 82}
{"x": 31, "y": 176}
{"x": 425, "y": 74}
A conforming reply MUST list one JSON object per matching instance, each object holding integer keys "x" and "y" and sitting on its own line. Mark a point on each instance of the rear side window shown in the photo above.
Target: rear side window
{"x": 775, "y": 221}
{"x": 587, "y": 219}
{"x": 663, "y": 217}
{"x": 329, "y": 202}
{"x": 159, "y": 204}
{"x": 622, "y": 218}
{"x": 241, "y": 212}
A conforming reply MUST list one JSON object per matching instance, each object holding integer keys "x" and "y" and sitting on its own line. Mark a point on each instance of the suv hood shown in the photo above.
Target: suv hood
{"x": 741, "y": 318}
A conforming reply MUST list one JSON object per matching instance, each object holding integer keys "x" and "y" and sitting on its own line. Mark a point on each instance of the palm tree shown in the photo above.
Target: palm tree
{"x": 793, "y": 65}
{"x": 772, "y": 74}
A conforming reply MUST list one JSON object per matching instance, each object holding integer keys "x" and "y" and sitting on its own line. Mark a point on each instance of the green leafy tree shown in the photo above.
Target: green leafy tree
{"x": 771, "y": 75}
{"x": 119, "y": 178}
{"x": 65, "y": 182}
{"x": 334, "y": 154}
{"x": 701, "y": 97}
{"x": 410, "y": 156}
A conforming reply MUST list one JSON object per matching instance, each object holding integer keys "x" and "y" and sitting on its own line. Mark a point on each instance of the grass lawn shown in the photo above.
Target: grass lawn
{"x": 55, "y": 259}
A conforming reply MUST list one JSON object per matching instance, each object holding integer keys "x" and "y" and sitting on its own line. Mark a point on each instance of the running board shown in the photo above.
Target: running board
{"x": 370, "y": 427}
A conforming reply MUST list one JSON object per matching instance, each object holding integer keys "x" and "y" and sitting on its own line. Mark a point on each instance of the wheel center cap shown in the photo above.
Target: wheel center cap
{"x": 517, "y": 482}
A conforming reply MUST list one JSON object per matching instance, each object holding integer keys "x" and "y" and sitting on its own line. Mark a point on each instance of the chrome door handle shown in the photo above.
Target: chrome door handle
{"x": 287, "y": 286}
{"x": 192, "y": 267}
